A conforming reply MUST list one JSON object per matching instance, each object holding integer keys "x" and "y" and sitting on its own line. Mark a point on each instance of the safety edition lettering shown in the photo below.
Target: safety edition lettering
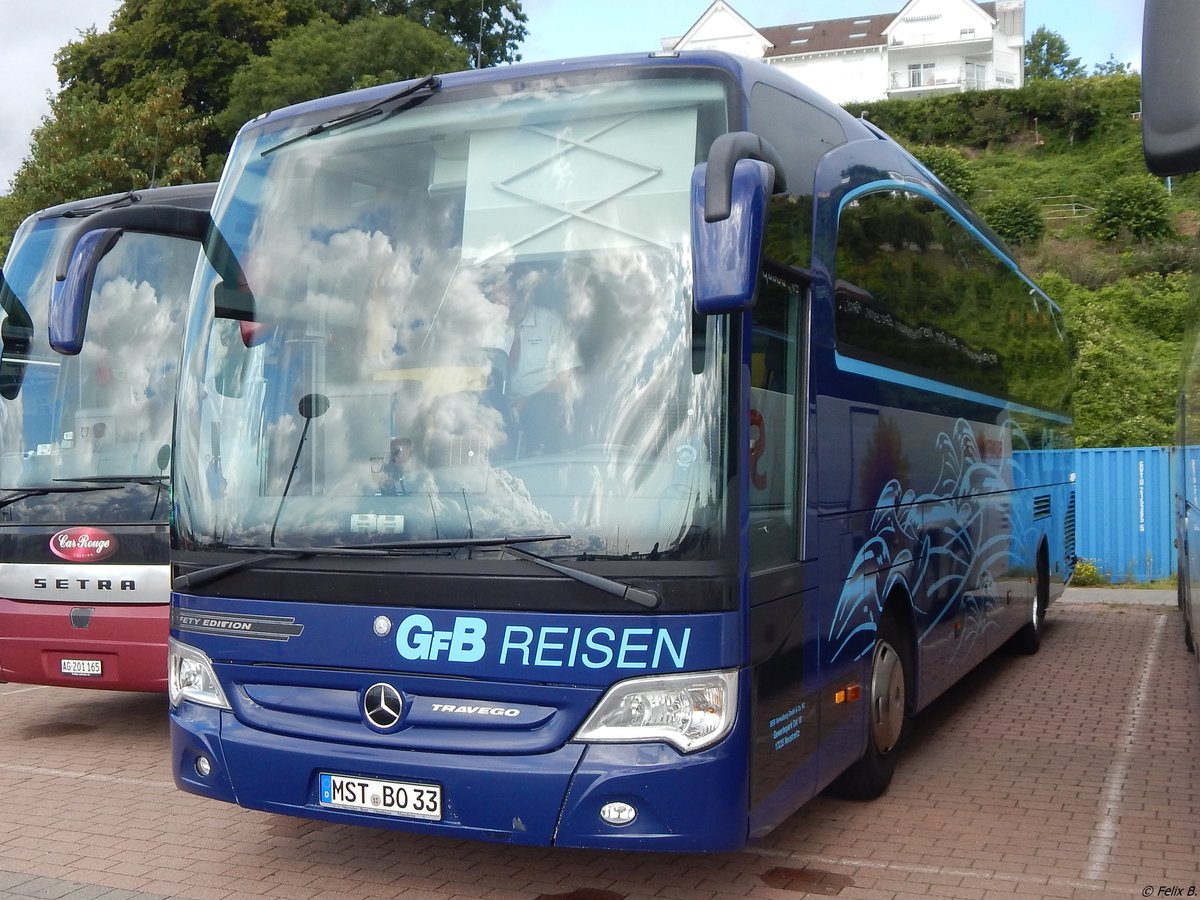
{"x": 547, "y": 646}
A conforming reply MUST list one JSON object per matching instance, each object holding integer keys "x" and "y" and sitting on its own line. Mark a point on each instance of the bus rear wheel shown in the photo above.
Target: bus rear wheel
{"x": 1029, "y": 639}
{"x": 887, "y": 716}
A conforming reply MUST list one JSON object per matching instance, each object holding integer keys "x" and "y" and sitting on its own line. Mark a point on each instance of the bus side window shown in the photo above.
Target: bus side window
{"x": 774, "y": 374}
{"x": 920, "y": 292}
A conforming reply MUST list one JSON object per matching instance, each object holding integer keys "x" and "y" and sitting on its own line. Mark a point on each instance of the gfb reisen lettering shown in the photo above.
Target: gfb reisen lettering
{"x": 546, "y": 646}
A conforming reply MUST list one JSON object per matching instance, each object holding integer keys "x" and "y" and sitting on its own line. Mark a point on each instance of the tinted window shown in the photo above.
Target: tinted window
{"x": 917, "y": 290}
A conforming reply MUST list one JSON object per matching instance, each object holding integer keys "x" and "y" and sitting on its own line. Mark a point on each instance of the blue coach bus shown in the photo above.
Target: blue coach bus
{"x": 1171, "y": 140}
{"x": 85, "y": 453}
{"x": 601, "y": 453}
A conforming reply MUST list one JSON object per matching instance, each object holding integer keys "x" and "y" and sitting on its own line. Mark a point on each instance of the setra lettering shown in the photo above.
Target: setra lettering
{"x": 83, "y": 584}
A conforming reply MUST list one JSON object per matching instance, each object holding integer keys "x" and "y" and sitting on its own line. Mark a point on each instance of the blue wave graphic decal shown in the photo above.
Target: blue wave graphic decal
{"x": 945, "y": 547}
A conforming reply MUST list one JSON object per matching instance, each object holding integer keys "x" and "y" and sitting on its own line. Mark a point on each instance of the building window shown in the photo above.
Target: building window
{"x": 920, "y": 74}
{"x": 974, "y": 76}
{"x": 966, "y": 34}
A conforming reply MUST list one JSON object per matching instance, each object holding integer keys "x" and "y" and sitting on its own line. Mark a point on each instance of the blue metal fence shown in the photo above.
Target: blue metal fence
{"x": 1124, "y": 512}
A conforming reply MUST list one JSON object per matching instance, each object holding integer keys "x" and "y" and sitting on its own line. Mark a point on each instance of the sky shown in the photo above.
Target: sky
{"x": 35, "y": 31}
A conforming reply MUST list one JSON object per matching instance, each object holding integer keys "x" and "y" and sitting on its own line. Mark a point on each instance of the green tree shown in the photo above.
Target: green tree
{"x": 324, "y": 58}
{"x": 489, "y": 30}
{"x": 86, "y": 147}
{"x": 1047, "y": 56}
{"x": 196, "y": 44}
{"x": 202, "y": 42}
{"x": 1111, "y": 67}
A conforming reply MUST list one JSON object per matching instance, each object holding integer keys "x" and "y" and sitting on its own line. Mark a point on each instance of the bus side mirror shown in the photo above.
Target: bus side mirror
{"x": 83, "y": 250}
{"x": 727, "y": 253}
{"x": 1171, "y": 87}
{"x": 729, "y": 218}
{"x": 71, "y": 297}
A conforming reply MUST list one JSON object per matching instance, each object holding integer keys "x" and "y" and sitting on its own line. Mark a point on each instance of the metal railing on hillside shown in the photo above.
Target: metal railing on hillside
{"x": 1065, "y": 206}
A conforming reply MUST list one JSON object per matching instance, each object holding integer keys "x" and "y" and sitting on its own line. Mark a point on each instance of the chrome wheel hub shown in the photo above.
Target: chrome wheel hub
{"x": 887, "y": 697}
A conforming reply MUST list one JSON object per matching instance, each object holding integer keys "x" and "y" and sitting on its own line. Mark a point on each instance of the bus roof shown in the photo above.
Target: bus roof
{"x": 747, "y": 72}
{"x": 190, "y": 195}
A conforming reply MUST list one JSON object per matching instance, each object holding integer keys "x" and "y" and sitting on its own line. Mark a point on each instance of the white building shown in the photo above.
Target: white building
{"x": 929, "y": 47}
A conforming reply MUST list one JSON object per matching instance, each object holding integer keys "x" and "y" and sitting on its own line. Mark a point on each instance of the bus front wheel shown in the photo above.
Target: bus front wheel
{"x": 889, "y": 698}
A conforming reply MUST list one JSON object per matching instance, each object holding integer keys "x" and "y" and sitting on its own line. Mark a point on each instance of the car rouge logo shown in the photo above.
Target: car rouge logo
{"x": 83, "y": 544}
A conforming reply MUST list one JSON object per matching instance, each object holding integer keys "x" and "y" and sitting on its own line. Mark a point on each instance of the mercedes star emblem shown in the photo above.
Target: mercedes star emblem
{"x": 382, "y": 705}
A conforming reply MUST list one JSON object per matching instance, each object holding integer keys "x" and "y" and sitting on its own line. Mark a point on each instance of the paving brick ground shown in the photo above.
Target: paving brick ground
{"x": 1074, "y": 773}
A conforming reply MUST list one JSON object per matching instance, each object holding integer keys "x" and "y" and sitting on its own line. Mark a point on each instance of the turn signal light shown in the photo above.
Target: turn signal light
{"x": 851, "y": 693}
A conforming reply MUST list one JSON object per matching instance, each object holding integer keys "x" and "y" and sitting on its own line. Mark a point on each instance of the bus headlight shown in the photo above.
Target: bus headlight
{"x": 190, "y": 676}
{"x": 690, "y": 711}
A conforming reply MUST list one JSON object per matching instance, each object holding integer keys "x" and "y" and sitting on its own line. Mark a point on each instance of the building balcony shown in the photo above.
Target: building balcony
{"x": 966, "y": 45}
{"x": 931, "y": 81}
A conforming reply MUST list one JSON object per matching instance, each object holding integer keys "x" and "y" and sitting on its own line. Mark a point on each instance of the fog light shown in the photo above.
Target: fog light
{"x": 618, "y": 813}
{"x": 203, "y": 766}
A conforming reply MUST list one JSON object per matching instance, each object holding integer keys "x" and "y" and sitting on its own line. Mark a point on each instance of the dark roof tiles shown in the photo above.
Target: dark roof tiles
{"x": 834, "y": 34}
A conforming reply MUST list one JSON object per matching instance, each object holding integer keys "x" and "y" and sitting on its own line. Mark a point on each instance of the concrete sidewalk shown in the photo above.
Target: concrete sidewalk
{"x": 1120, "y": 596}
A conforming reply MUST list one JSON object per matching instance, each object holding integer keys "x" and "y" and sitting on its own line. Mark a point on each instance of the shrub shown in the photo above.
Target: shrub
{"x": 1136, "y": 206}
{"x": 1087, "y": 575}
{"x": 1015, "y": 217}
{"x": 950, "y": 167}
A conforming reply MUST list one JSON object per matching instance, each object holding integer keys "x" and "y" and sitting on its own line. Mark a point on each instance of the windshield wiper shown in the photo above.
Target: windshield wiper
{"x": 447, "y": 543}
{"x": 648, "y": 599}
{"x": 25, "y": 493}
{"x": 82, "y": 212}
{"x": 210, "y": 574}
{"x": 159, "y": 482}
{"x": 637, "y": 595}
{"x": 430, "y": 83}
{"x": 119, "y": 479}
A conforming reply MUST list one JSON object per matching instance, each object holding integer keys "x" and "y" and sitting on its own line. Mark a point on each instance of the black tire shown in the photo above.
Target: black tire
{"x": 1181, "y": 585}
{"x": 1189, "y": 637}
{"x": 889, "y": 698}
{"x": 1029, "y": 639}
{"x": 1183, "y": 590}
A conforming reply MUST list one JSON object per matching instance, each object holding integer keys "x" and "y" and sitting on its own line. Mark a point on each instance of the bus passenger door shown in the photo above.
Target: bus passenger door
{"x": 782, "y": 611}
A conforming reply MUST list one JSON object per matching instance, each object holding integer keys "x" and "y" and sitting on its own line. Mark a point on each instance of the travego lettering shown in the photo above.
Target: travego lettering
{"x": 548, "y": 646}
{"x": 507, "y": 711}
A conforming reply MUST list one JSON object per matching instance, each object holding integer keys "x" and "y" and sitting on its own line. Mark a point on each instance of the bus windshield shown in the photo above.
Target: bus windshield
{"x": 102, "y": 417}
{"x": 466, "y": 318}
